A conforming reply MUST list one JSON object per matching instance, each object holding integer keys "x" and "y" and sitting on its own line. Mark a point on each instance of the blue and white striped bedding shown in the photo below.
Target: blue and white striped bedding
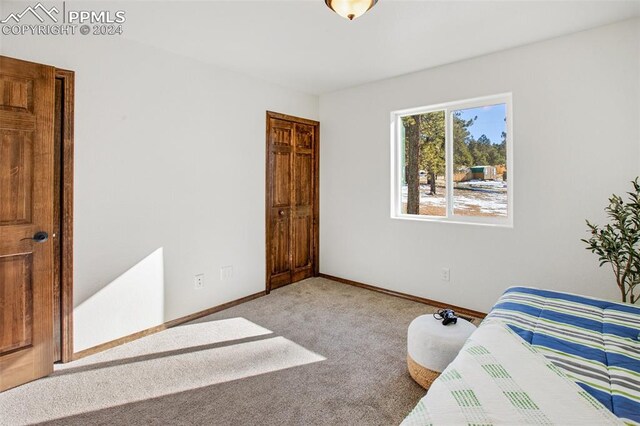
{"x": 595, "y": 342}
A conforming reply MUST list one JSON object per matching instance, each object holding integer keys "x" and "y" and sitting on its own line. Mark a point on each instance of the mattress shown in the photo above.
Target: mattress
{"x": 594, "y": 342}
{"x": 499, "y": 379}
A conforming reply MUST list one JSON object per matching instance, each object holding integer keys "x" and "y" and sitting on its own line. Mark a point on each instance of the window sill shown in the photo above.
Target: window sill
{"x": 489, "y": 223}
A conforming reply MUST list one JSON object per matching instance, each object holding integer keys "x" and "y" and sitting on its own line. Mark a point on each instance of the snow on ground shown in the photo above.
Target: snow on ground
{"x": 492, "y": 203}
{"x": 465, "y": 202}
{"x": 483, "y": 184}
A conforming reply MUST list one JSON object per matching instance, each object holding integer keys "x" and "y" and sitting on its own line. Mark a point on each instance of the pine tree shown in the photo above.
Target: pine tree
{"x": 432, "y": 150}
{"x": 412, "y": 146}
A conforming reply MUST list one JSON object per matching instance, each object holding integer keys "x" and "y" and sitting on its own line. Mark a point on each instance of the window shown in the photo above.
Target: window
{"x": 454, "y": 162}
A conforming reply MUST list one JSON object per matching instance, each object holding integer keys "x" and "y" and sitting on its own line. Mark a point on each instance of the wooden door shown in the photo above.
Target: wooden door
{"x": 26, "y": 207}
{"x": 292, "y": 199}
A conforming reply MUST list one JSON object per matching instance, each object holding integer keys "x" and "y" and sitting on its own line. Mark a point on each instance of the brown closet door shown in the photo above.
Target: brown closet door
{"x": 26, "y": 208}
{"x": 302, "y": 206}
{"x": 280, "y": 140}
{"x": 292, "y": 199}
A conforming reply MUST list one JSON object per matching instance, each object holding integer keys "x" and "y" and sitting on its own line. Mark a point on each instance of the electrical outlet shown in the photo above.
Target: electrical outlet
{"x": 445, "y": 274}
{"x": 226, "y": 273}
{"x": 198, "y": 281}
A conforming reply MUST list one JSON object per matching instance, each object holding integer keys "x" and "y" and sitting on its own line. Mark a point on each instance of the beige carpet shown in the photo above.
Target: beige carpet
{"x": 316, "y": 352}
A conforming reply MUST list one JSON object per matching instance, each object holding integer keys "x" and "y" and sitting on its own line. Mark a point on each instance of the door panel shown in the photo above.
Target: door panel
{"x": 17, "y": 295}
{"x": 302, "y": 230}
{"x": 281, "y": 132}
{"x": 26, "y": 206}
{"x": 291, "y": 199}
{"x": 280, "y": 246}
{"x": 281, "y": 179}
{"x": 16, "y": 94}
{"x": 16, "y": 158}
{"x": 304, "y": 136}
{"x": 303, "y": 179}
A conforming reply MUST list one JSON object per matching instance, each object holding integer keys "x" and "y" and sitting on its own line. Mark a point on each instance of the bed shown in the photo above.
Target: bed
{"x": 590, "y": 346}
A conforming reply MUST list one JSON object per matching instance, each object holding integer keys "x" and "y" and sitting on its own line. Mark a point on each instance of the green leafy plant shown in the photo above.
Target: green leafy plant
{"x": 618, "y": 242}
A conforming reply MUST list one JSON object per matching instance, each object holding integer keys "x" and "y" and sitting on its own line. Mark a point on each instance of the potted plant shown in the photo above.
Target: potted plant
{"x": 618, "y": 242}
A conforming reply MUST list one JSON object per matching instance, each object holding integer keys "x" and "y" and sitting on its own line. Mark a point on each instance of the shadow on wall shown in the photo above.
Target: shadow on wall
{"x": 132, "y": 302}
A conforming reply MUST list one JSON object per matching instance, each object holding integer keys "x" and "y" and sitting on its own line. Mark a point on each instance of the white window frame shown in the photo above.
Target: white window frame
{"x": 448, "y": 108}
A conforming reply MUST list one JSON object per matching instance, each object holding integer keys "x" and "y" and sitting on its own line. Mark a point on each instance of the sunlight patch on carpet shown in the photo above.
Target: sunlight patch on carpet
{"x": 176, "y": 360}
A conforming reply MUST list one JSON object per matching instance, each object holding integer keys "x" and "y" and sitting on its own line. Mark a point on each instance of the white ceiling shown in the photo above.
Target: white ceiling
{"x": 302, "y": 45}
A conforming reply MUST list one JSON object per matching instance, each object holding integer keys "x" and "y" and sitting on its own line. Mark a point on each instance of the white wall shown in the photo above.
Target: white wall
{"x": 132, "y": 302}
{"x": 170, "y": 153}
{"x": 576, "y": 140}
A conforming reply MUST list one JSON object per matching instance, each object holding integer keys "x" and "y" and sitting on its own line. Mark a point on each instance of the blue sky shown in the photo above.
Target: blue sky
{"x": 490, "y": 121}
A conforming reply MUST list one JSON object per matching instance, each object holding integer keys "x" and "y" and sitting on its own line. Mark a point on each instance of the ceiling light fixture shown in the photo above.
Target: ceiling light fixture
{"x": 350, "y": 9}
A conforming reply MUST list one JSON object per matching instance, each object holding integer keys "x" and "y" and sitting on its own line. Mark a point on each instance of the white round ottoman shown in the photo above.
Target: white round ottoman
{"x": 431, "y": 346}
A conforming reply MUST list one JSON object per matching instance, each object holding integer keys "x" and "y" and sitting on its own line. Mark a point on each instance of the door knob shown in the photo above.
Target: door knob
{"x": 281, "y": 212}
{"x": 39, "y": 237}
